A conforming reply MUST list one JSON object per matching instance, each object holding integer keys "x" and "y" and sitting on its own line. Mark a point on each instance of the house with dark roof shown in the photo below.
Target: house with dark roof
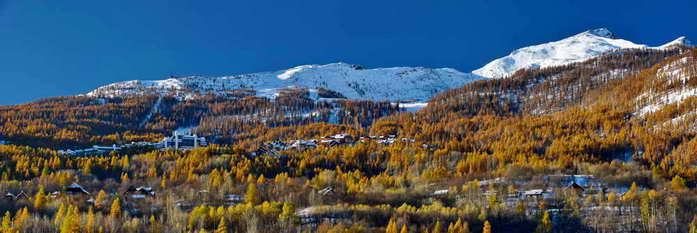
{"x": 576, "y": 188}
{"x": 13, "y": 197}
{"x": 139, "y": 192}
{"x": 76, "y": 189}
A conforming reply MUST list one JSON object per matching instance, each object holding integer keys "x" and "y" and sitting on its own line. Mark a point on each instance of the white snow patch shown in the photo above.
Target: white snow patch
{"x": 185, "y": 130}
{"x": 673, "y": 72}
{"x": 670, "y": 98}
{"x": 290, "y": 72}
{"x": 155, "y": 108}
{"x": 412, "y": 107}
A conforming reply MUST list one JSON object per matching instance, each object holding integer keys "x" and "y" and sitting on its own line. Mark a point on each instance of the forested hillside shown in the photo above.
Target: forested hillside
{"x": 82, "y": 121}
{"x": 603, "y": 145}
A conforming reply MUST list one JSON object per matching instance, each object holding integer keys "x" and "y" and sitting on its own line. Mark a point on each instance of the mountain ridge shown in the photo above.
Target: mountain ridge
{"x": 396, "y": 84}
{"x": 353, "y": 81}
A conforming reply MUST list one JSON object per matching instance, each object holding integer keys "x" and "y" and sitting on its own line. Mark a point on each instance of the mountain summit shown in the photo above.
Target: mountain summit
{"x": 577, "y": 48}
{"x": 681, "y": 41}
{"x": 601, "y": 32}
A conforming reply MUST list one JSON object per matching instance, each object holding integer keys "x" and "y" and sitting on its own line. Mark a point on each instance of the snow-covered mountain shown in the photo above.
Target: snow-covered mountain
{"x": 387, "y": 84}
{"x": 576, "y": 48}
{"x": 352, "y": 81}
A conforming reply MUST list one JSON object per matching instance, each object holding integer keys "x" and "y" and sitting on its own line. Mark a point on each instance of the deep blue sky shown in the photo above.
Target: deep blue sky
{"x": 54, "y": 48}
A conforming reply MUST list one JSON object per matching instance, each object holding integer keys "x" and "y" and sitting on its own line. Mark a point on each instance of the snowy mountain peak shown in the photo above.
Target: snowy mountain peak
{"x": 680, "y": 41}
{"x": 601, "y": 32}
{"x": 577, "y": 48}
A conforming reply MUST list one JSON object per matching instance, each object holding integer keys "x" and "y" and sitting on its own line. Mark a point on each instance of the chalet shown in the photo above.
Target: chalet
{"x": 342, "y": 138}
{"x": 307, "y": 214}
{"x": 303, "y": 144}
{"x": 568, "y": 180}
{"x": 75, "y": 189}
{"x": 270, "y": 149}
{"x": 533, "y": 193}
{"x": 576, "y": 188}
{"x": 387, "y": 141}
{"x": 497, "y": 180}
{"x": 441, "y": 192}
{"x": 139, "y": 192}
{"x": 184, "y": 205}
{"x": 18, "y": 196}
{"x": 54, "y": 194}
{"x": 326, "y": 191}
{"x": 316, "y": 214}
{"x": 233, "y": 199}
{"x": 329, "y": 142}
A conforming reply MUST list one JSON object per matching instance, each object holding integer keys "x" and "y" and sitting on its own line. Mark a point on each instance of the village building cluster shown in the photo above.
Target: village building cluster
{"x": 274, "y": 147}
{"x": 191, "y": 141}
{"x": 547, "y": 190}
{"x": 552, "y": 186}
{"x": 133, "y": 197}
{"x": 77, "y": 192}
{"x": 176, "y": 142}
{"x": 69, "y": 190}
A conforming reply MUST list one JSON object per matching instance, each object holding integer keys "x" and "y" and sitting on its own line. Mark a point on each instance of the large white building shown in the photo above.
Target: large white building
{"x": 178, "y": 141}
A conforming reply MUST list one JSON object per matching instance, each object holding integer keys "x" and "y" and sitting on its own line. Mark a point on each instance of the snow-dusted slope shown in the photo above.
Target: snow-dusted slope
{"x": 576, "y": 48}
{"x": 672, "y": 85}
{"x": 354, "y": 82}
